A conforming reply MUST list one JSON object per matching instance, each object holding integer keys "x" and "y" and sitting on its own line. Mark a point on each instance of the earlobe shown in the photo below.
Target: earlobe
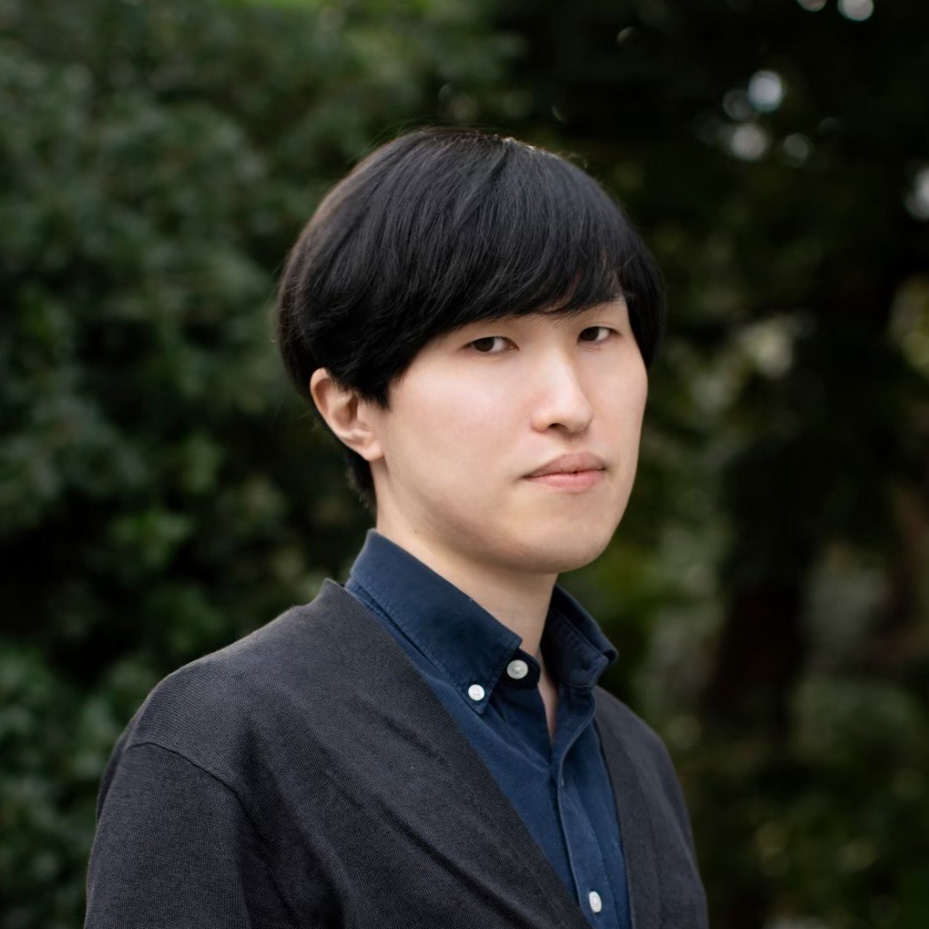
{"x": 345, "y": 414}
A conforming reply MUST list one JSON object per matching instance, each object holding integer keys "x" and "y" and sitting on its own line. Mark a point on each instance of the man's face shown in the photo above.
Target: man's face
{"x": 480, "y": 409}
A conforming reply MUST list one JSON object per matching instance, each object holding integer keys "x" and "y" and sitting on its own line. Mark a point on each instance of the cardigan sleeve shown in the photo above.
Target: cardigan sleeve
{"x": 174, "y": 848}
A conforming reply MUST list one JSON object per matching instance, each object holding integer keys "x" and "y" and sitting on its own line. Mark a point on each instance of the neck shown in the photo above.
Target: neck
{"x": 519, "y": 600}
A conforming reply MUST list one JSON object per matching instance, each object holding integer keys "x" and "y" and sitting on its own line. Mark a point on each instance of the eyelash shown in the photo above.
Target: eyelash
{"x": 491, "y": 337}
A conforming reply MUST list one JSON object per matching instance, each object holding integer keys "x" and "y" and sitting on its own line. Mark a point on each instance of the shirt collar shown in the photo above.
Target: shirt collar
{"x": 462, "y": 638}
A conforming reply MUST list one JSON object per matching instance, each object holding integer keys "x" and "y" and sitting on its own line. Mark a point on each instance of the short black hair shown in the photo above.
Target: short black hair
{"x": 439, "y": 228}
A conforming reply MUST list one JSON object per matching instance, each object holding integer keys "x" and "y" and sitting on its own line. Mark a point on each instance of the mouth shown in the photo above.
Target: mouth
{"x": 575, "y": 469}
{"x": 570, "y": 480}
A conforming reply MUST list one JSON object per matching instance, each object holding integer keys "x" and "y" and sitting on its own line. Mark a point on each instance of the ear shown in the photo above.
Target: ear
{"x": 350, "y": 418}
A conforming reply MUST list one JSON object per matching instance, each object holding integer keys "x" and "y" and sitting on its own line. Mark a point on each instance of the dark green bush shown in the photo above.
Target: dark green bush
{"x": 160, "y": 492}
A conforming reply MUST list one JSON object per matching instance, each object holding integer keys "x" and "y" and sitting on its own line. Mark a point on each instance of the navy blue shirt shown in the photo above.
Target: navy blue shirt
{"x": 476, "y": 667}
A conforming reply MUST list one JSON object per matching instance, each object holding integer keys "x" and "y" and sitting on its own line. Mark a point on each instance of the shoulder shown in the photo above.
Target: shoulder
{"x": 636, "y": 734}
{"x": 640, "y": 741}
{"x": 646, "y": 750}
{"x": 222, "y": 708}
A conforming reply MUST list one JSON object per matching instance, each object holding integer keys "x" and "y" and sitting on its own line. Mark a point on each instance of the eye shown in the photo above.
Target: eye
{"x": 594, "y": 329}
{"x": 487, "y": 342}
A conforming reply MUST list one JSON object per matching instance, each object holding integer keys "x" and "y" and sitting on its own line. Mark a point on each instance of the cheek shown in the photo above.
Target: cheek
{"x": 631, "y": 384}
{"x": 619, "y": 394}
{"x": 637, "y": 392}
{"x": 459, "y": 429}
{"x": 619, "y": 414}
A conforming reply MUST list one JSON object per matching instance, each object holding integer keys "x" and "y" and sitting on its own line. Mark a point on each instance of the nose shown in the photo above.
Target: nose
{"x": 561, "y": 398}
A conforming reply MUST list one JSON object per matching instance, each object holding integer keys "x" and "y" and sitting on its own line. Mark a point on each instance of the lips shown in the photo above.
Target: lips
{"x": 570, "y": 464}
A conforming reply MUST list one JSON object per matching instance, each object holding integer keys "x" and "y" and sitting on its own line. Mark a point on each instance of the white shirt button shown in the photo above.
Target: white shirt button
{"x": 517, "y": 669}
{"x": 476, "y": 692}
{"x": 596, "y": 904}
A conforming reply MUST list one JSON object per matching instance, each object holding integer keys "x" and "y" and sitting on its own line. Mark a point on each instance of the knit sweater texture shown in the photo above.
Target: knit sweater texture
{"x": 307, "y": 776}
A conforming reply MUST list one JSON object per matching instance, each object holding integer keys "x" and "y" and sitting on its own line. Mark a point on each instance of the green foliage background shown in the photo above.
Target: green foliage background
{"x": 161, "y": 492}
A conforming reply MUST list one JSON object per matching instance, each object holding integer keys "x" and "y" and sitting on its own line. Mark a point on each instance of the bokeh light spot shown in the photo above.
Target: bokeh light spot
{"x": 917, "y": 200}
{"x": 856, "y": 10}
{"x": 748, "y": 142}
{"x": 737, "y": 105}
{"x": 797, "y": 148}
{"x": 766, "y": 91}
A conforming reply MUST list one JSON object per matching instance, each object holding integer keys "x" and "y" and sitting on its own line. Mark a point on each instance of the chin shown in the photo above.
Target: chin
{"x": 554, "y": 552}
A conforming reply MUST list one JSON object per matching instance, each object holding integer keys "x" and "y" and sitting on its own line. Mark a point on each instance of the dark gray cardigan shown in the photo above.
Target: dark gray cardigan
{"x": 308, "y": 776}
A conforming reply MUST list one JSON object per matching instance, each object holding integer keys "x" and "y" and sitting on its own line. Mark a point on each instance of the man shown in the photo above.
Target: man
{"x": 427, "y": 746}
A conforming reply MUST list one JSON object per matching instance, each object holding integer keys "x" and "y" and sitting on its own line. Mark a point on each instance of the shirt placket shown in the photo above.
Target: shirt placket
{"x": 588, "y": 869}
